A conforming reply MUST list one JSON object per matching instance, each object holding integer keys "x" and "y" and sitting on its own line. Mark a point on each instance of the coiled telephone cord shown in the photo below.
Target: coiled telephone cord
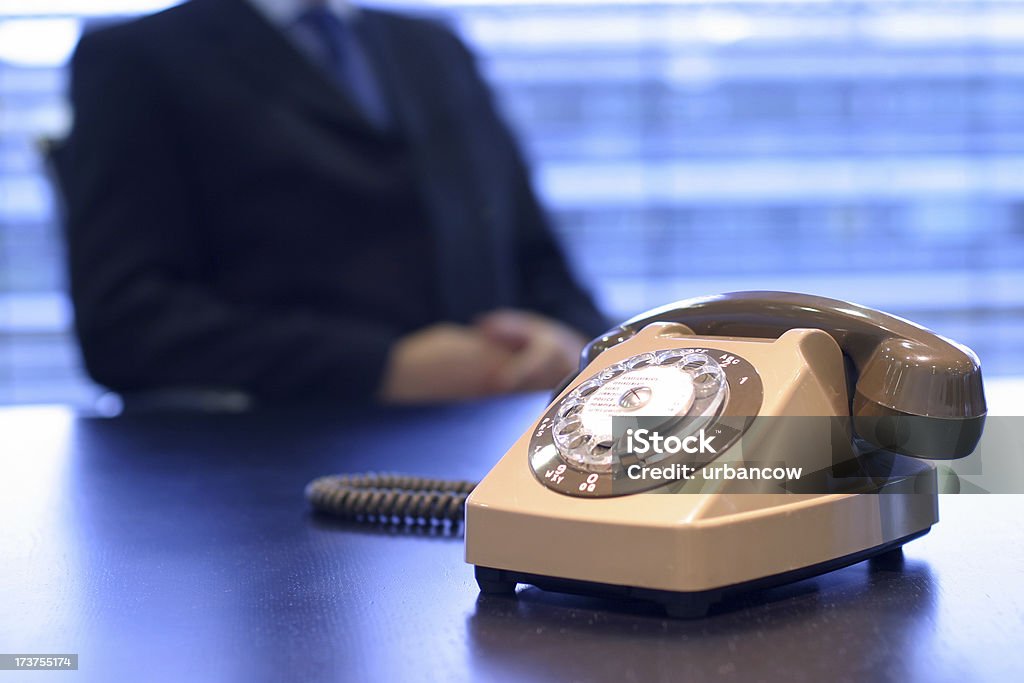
{"x": 390, "y": 498}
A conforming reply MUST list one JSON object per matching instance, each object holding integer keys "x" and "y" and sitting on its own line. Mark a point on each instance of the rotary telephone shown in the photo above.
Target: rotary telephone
{"x": 855, "y": 397}
{"x": 855, "y": 401}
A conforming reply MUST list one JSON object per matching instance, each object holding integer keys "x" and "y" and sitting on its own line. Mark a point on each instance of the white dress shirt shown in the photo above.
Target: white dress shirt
{"x": 282, "y": 13}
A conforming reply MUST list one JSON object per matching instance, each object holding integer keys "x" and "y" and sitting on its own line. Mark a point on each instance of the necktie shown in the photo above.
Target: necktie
{"x": 333, "y": 44}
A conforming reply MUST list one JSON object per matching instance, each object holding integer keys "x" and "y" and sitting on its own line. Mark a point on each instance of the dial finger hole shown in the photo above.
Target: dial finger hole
{"x": 669, "y": 357}
{"x": 578, "y": 440}
{"x": 569, "y": 425}
{"x": 643, "y": 360}
{"x": 589, "y": 387}
{"x": 707, "y": 381}
{"x": 569, "y": 408}
{"x": 611, "y": 372}
{"x": 694, "y": 361}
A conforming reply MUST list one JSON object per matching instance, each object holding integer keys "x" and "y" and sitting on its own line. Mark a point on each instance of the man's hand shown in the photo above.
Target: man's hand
{"x": 443, "y": 362}
{"x": 545, "y": 350}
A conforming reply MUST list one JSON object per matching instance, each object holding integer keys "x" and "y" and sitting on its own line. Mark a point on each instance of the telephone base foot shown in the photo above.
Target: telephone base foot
{"x": 681, "y": 605}
{"x": 891, "y": 560}
{"x": 491, "y": 582}
{"x": 889, "y": 555}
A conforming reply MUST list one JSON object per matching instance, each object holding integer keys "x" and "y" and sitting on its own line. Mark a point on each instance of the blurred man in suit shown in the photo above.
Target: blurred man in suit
{"x": 302, "y": 198}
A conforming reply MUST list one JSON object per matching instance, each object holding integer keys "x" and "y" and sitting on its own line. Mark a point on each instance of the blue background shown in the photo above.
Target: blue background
{"x": 869, "y": 151}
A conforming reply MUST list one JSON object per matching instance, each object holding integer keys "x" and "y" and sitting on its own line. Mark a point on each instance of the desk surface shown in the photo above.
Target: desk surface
{"x": 180, "y": 548}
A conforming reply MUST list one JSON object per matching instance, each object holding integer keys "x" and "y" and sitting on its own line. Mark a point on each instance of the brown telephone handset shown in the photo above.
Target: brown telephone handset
{"x": 912, "y": 391}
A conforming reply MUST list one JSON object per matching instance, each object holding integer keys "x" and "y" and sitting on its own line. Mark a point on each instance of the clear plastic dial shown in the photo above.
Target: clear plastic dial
{"x": 670, "y": 383}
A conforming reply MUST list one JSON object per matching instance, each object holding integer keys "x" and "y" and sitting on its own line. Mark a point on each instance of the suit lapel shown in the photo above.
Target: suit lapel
{"x": 400, "y": 91}
{"x": 264, "y": 55}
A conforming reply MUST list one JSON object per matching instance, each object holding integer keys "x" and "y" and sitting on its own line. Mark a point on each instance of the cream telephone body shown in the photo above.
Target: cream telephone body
{"x": 769, "y": 378}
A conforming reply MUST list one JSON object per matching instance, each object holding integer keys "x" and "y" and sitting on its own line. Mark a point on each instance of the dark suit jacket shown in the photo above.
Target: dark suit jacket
{"x": 227, "y": 208}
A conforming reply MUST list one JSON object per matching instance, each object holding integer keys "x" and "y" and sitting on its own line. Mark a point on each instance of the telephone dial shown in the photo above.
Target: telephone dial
{"x": 860, "y": 400}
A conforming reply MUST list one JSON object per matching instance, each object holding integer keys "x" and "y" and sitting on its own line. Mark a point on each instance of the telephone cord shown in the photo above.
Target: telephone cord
{"x": 390, "y": 498}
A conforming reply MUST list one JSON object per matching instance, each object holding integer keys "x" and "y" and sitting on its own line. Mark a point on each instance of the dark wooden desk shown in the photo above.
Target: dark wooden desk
{"x": 180, "y": 549}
